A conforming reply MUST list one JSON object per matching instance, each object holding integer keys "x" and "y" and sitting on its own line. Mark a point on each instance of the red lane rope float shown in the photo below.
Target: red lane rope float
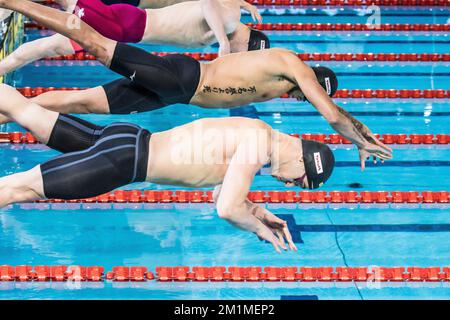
{"x": 348, "y": 27}
{"x": 404, "y": 57}
{"x": 335, "y": 139}
{"x": 428, "y": 3}
{"x": 27, "y": 273}
{"x": 402, "y": 139}
{"x": 341, "y": 93}
{"x": 325, "y": 27}
{"x": 272, "y": 197}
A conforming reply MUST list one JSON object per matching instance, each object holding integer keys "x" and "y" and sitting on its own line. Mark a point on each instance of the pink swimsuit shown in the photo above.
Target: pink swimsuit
{"x": 119, "y": 22}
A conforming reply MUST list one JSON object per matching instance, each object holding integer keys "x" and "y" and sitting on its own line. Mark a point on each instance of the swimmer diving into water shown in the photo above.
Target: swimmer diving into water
{"x": 230, "y": 81}
{"x": 187, "y": 24}
{"x": 223, "y": 153}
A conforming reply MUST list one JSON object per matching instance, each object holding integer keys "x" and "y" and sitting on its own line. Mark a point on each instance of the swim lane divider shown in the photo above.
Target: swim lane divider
{"x": 138, "y": 199}
{"x": 332, "y": 27}
{"x": 43, "y": 273}
{"x": 305, "y": 56}
{"x": 332, "y": 139}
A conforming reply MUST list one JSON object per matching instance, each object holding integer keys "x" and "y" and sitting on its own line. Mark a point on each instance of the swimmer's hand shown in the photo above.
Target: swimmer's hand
{"x": 276, "y": 231}
{"x": 373, "y": 148}
{"x": 256, "y": 16}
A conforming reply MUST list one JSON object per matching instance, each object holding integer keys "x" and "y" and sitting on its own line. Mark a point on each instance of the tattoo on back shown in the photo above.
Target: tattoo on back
{"x": 229, "y": 90}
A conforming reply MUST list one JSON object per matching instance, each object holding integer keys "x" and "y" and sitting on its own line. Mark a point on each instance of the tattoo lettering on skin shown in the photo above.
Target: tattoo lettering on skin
{"x": 229, "y": 90}
{"x": 359, "y": 129}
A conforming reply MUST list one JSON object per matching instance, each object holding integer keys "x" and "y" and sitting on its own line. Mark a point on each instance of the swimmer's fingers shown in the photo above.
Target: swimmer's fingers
{"x": 256, "y": 16}
{"x": 362, "y": 158}
{"x": 381, "y": 144}
{"x": 382, "y": 155}
{"x": 266, "y": 234}
{"x": 280, "y": 236}
{"x": 288, "y": 236}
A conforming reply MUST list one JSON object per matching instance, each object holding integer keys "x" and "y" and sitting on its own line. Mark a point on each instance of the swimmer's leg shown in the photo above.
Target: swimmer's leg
{"x": 17, "y": 108}
{"x": 61, "y": 132}
{"x": 21, "y": 187}
{"x": 66, "y": 24}
{"x": 91, "y": 100}
{"x": 24, "y": 186}
{"x": 35, "y": 50}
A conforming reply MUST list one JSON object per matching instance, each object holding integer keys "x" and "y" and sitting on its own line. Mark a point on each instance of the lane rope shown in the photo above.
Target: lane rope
{"x": 30, "y": 92}
{"x": 359, "y": 27}
{"x": 44, "y": 273}
{"x": 338, "y": 198}
{"x": 375, "y": 57}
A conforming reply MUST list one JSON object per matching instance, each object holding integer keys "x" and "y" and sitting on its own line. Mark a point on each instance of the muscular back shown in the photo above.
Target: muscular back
{"x": 184, "y": 23}
{"x": 197, "y": 154}
{"x": 242, "y": 78}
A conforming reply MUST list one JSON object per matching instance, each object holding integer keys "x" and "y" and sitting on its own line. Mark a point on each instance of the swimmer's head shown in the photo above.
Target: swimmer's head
{"x": 319, "y": 163}
{"x": 326, "y": 78}
{"x": 258, "y": 41}
{"x": 308, "y": 166}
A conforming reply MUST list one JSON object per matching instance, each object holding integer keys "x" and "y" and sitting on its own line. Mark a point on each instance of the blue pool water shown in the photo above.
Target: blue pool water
{"x": 194, "y": 235}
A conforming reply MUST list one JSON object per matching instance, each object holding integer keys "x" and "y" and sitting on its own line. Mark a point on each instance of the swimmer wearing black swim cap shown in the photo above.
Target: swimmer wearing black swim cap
{"x": 318, "y": 164}
{"x": 258, "y": 41}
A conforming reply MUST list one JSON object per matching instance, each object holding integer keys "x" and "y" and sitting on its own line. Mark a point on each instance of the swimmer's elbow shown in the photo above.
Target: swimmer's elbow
{"x": 225, "y": 212}
{"x": 228, "y": 211}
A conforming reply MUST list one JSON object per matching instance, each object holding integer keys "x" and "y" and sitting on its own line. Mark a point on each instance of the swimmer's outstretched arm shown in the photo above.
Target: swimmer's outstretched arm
{"x": 66, "y": 24}
{"x": 233, "y": 205}
{"x": 35, "y": 50}
{"x": 338, "y": 118}
{"x": 213, "y": 16}
{"x": 24, "y": 186}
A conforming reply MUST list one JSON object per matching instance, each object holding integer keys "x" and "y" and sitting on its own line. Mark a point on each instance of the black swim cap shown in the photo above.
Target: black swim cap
{"x": 319, "y": 162}
{"x": 258, "y": 41}
{"x": 327, "y": 79}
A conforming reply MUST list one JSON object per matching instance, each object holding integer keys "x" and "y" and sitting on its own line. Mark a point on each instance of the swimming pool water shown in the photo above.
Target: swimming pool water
{"x": 194, "y": 235}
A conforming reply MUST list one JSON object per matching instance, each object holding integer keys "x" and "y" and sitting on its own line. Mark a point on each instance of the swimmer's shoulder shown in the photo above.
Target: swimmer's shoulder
{"x": 281, "y": 57}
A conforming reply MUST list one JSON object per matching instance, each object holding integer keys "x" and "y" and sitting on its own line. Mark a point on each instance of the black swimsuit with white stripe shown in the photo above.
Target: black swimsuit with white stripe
{"x": 96, "y": 160}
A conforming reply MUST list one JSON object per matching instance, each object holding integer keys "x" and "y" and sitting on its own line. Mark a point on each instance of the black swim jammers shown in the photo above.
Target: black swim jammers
{"x": 152, "y": 82}
{"x": 96, "y": 160}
